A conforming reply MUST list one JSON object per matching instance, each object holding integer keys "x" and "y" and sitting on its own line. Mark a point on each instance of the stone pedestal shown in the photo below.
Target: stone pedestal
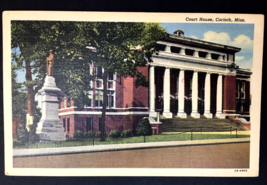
{"x": 50, "y": 128}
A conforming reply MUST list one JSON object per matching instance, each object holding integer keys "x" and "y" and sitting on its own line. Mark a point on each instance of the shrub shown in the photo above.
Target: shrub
{"x": 127, "y": 133}
{"x": 89, "y": 134}
{"x": 144, "y": 127}
{"x": 115, "y": 133}
{"x": 22, "y": 134}
{"x": 99, "y": 134}
{"x": 78, "y": 134}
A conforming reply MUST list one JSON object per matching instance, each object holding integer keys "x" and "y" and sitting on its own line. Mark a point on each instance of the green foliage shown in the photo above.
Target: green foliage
{"x": 98, "y": 134}
{"x": 115, "y": 133}
{"x": 19, "y": 98}
{"x": 33, "y": 137}
{"x": 22, "y": 134}
{"x": 68, "y": 40}
{"x": 127, "y": 133}
{"x": 78, "y": 134}
{"x": 144, "y": 127}
{"x": 89, "y": 134}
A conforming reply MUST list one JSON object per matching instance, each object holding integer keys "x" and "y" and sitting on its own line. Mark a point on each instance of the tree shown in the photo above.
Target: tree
{"x": 113, "y": 42}
{"x": 19, "y": 98}
{"x": 116, "y": 43}
{"x": 33, "y": 40}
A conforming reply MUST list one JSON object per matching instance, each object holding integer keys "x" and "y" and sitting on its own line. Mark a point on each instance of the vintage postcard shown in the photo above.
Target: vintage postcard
{"x": 132, "y": 94}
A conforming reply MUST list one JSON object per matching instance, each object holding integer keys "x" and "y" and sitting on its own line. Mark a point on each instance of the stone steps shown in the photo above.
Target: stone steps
{"x": 199, "y": 125}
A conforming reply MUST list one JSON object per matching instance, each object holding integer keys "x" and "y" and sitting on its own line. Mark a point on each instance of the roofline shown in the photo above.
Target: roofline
{"x": 202, "y": 43}
{"x": 243, "y": 71}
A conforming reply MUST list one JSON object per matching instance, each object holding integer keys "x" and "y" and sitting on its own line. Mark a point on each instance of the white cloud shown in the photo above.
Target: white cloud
{"x": 243, "y": 42}
{"x": 245, "y": 64}
{"x": 238, "y": 58}
{"x": 221, "y": 38}
{"x": 194, "y": 37}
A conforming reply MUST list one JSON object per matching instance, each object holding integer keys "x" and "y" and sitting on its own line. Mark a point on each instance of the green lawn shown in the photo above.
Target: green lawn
{"x": 135, "y": 139}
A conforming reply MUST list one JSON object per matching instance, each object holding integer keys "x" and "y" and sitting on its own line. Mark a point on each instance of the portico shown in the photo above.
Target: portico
{"x": 185, "y": 75}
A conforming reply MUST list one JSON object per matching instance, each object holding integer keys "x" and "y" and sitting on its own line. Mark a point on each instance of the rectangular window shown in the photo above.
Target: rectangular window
{"x": 99, "y": 72}
{"x": 110, "y": 76}
{"x": 99, "y": 124}
{"x": 98, "y": 84}
{"x": 243, "y": 88}
{"x": 110, "y": 85}
{"x": 64, "y": 124}
{"x": 110, "y": 99}
{"x": 89, "y": 124}
{"x": 68, "y": 124}
{"x": 89, "y": 98}
{"x": 68, "y": 102}
{"x": 99, "y": 99}
{"x": 237, "y": 89}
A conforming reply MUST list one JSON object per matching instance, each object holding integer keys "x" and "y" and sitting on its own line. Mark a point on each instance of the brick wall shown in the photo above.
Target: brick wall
{"x": 229, "y": 94}
{"x": 113, "y": 122}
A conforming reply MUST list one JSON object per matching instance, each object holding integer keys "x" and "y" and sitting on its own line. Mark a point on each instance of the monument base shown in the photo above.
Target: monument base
{"x": 50, "y": 128}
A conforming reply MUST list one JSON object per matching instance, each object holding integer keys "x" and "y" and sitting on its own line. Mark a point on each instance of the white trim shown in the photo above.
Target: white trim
{"x": 99, "y": 88}
{"x": 176, "y": 61}
{"x": 117, "y": 108}
{"x": 245, "y": 116}
{"x": 231, "y": 114}
{"x": 192, "y": 48}
{"x": 243, "y": 79}
{"x": 115, "y": 92}
{"x": 243, "y": 120}
{"x": 99, "y": 113}
{"x": 68, "y": 108}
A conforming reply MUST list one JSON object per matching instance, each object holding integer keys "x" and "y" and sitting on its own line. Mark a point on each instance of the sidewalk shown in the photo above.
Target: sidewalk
{"x": 116, "y": 147}
{"x": 225, "y": 132}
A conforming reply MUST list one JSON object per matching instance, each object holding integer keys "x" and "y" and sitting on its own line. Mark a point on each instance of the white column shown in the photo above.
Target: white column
{"x": 166, "y": 94}
{"x": 195, "y": 53}
{"x": 182, "y": 51}
{"x": 219, "y": 113}
{"x": 152, "y": 112}
{"x": 220, "y": 58}
{"x": 207, "y": 113}
{"x": 208, "y": 56}
{"x": 181, "y": 79}
{"x": 168, "y": 49}
{"x": 194, "y": 113}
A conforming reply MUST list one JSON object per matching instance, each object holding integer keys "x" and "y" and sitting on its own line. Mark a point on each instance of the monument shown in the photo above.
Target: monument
{"x": 49, "y": 127}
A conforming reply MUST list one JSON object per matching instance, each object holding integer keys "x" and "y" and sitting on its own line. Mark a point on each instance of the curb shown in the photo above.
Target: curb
{"x": 119, "y": 147}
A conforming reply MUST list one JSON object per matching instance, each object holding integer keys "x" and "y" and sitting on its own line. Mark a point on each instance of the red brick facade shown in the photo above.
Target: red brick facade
{"x": 229, "y": 94}
{"x": 131, "y": 106}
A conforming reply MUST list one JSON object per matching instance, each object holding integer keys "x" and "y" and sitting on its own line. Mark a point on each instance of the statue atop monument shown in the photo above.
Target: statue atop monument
{"x": 50, "y": 63}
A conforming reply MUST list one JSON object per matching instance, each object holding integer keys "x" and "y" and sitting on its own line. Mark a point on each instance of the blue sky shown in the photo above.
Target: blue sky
{"x": 239, "y": 35}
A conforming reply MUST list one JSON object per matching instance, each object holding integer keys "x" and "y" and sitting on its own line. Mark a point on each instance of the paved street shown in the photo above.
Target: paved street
{"x": 202, "y": 156}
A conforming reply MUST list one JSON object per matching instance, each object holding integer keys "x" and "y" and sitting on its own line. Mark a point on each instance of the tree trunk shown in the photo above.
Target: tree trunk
{"x": 104, "y": 106}
{"x": 30, "y": 91}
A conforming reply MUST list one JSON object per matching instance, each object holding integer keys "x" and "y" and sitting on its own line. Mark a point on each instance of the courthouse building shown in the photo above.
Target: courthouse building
{"x": 189, "y": 77}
